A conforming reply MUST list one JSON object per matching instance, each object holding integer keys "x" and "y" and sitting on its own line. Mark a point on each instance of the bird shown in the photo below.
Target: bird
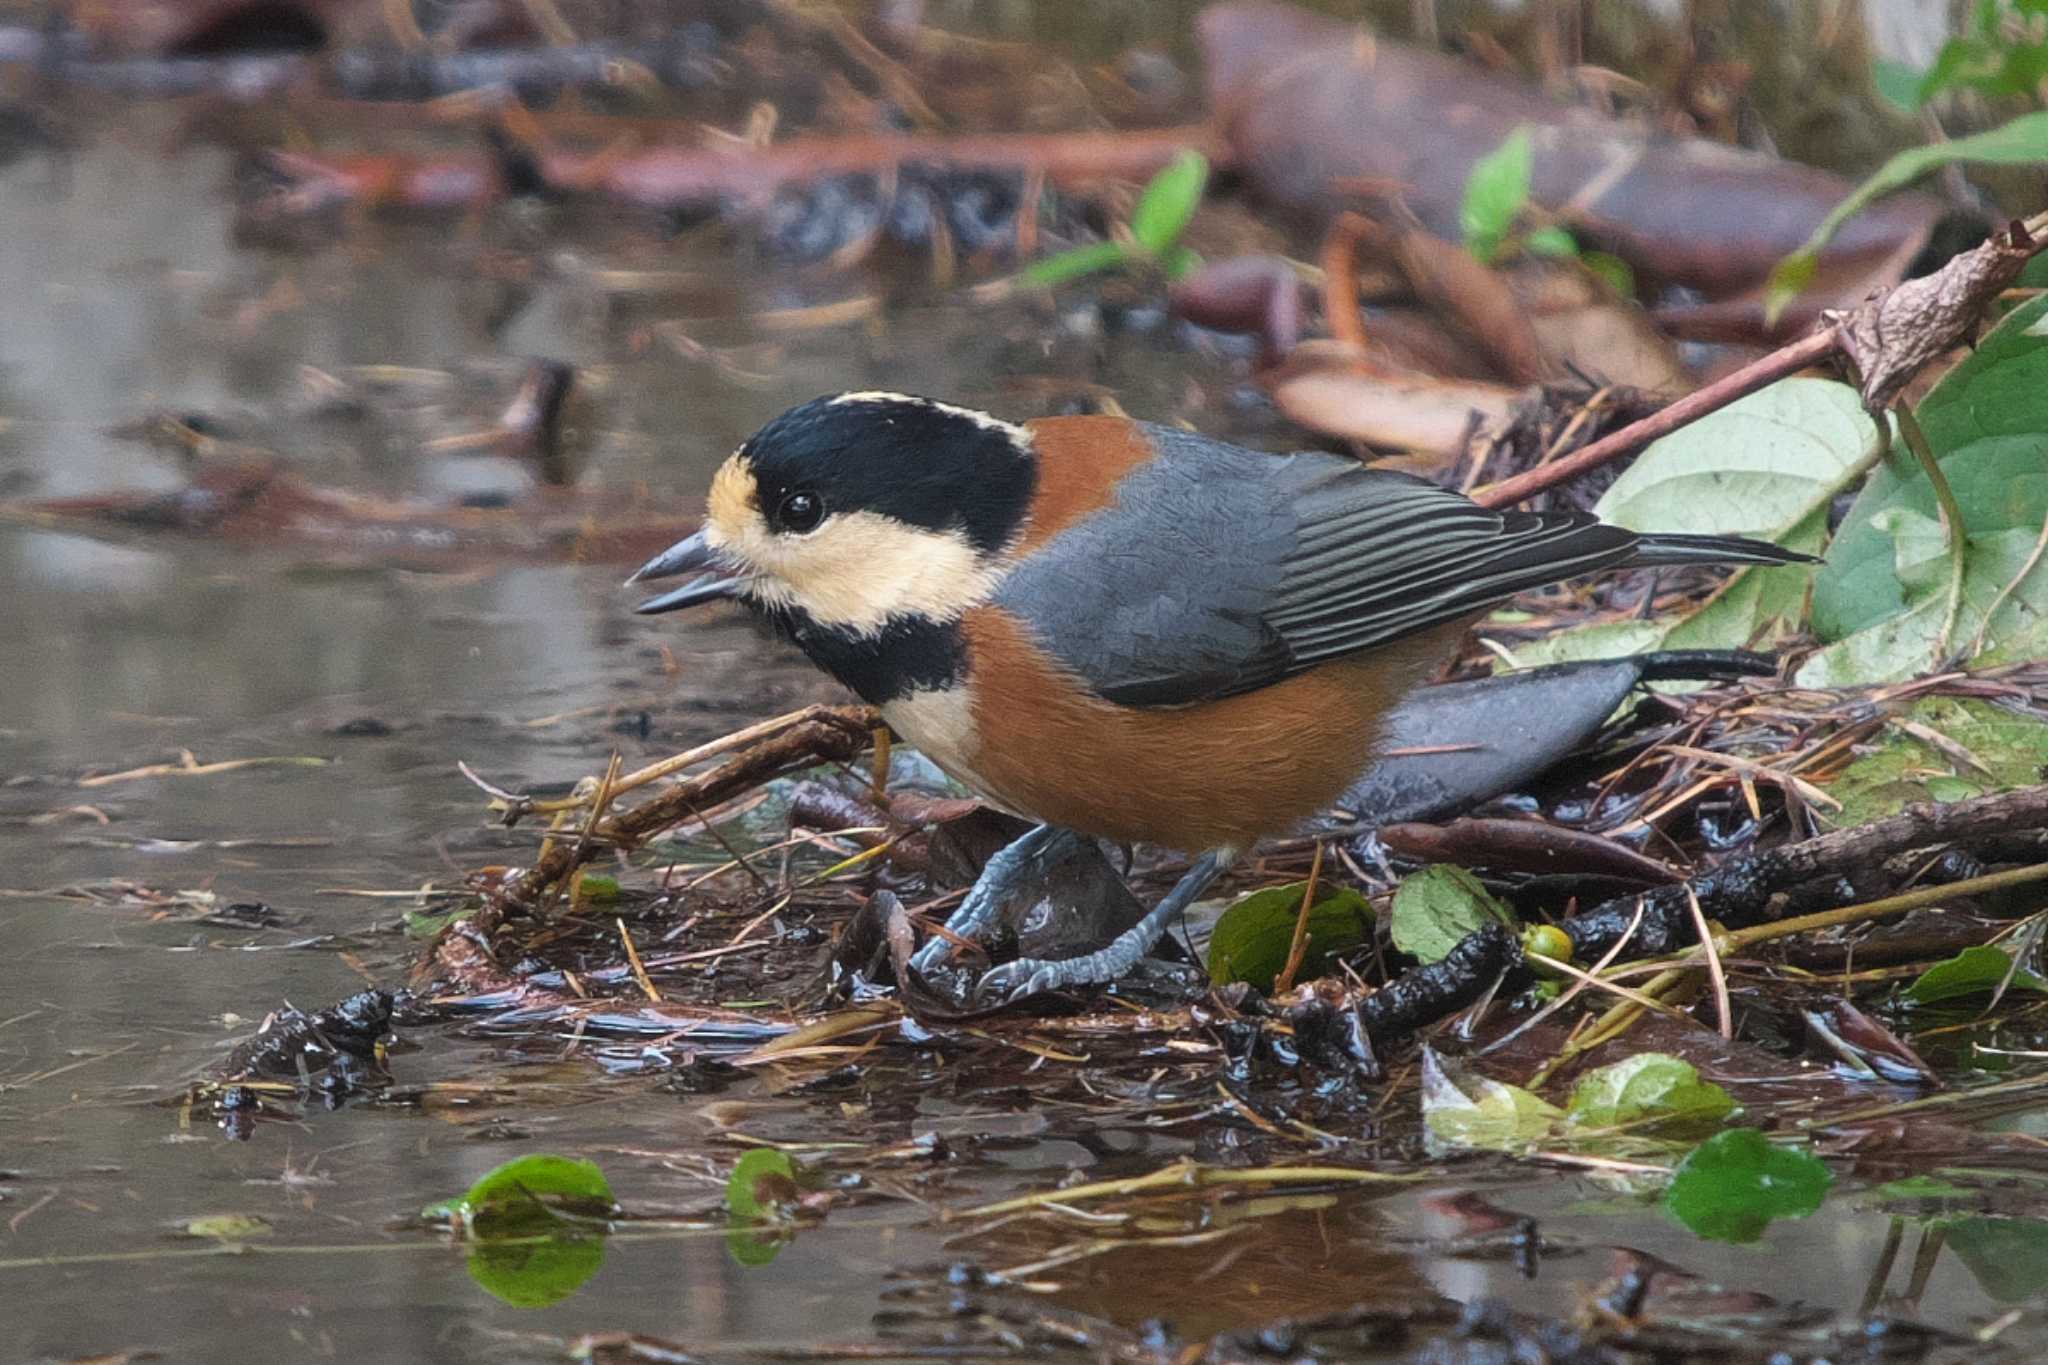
{"x": 1117, "y": 629}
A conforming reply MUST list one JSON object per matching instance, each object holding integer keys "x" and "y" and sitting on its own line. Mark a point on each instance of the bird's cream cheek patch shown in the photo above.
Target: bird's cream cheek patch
{"x": 860, "y": 568}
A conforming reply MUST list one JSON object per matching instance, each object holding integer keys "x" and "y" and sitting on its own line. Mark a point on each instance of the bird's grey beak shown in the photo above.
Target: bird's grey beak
{"x": 693, "y": 555}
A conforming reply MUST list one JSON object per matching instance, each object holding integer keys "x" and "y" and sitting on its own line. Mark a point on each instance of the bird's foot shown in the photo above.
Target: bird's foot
{"x": 981, "y": 913}
{"x": 1028, "y": 976}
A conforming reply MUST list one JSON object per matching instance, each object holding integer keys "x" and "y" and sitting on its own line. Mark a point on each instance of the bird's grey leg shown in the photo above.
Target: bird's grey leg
{"x": 1031, "y": 975}
{"x": 977, "y": 916}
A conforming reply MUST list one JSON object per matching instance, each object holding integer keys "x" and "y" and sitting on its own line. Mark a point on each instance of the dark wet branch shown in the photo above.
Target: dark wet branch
{"x": 1818, "y": 874}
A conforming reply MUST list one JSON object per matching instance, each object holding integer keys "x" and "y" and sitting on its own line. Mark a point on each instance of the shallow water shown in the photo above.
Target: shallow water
{"x": 127, "y": 297}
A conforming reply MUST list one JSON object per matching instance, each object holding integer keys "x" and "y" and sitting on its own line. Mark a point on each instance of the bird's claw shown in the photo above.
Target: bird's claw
{"x": 1009, "y": 982}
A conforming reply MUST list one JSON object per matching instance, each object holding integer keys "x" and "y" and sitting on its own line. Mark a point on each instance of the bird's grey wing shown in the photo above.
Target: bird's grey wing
{"x": 1220, "y": 570}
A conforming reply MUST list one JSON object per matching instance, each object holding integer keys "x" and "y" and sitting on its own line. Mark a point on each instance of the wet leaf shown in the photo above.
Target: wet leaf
{"x": 1495, "y": 194}
{"x": 1877, "y": 600}
{"x": 1074, "y": 263}
{"x": 763, "y": 1183}
{"x": 535, "y": 1272}
{"x": 1438, "y": 906}
{"x": 1463, "y": 1109}
{"x": 1251, "y": 938}
{"x": 1973, "y": 971}
{"x": 522, "y": 1197}
{"x": 2022, "y": 141}
{"x": 1653, "y": 1089}
{"x": 226, "y": 1227}
{"x": 1984, "y": 748}
{"x": 1169, "y": 202}
{"x": 1730, "y": 1187}
{"x": 2007, "y": 1256}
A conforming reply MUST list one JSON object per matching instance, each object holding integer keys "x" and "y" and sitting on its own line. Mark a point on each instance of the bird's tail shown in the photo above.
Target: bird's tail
{"x": 1660, "y": 550}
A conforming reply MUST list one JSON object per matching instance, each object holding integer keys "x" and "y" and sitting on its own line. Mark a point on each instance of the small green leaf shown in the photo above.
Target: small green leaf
{"x": 525, "y": 1197}
{"x": 1180, "y": 262}
{"x": 1251, "y": 938}
{"x": 1438, "y": 906}
{"x": 1897, "y": 84}
{"x": 1496, "y": 192}
{"x": 1730, "y": 1187}
{"x": 596, "y": 886}
{"x": 1613, "y": 272}
{"x": 1973, "y": 971}
{"x": 763, "y": 1183}
{"x": 1788, "y": 280}
{"x": 1169, "y": 202}
{"x": 1651, "y": 1088}
{"x": 419, "y": 924}
{"x": 1551, "y": 241}
{"x": 1072, "y": 264}
{"x": 1917, "y": 1188}
{"x": 535, "y": 1272}
{"x": 226, "y": 1227}
{"x": 1463, "y": 1109}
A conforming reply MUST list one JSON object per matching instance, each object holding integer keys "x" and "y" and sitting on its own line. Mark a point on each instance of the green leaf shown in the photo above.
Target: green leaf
{"x": 1613, "y": 271}
{"x": 596, "y": 886}
{"x": 1180, "y": 262}
{"x": 2023, "y": 141}
{"x": 1973, "y": 971}
{"x": 1651, "y": 1089}
{"x": 1496, "y": 192}
{"x": 524, "y": 1197}
{"x": 1987, "y": 424}
{"x": 1990, "y": 748}
{"x": 1463, "y": 1109}
{"x": 1438, "y": 906}
{"x": 1730, "y": 1187}
{"x": 1075, "y": 262}
{"x": 762, "y": 1186}
{"x": 1897, "y": 83}
{"x": 1768, "y": 466}
{"x": 535, "y": 1272}
{"x": 1787, "y": 280}
{"x": 2008, "y": 1257}
{"x": 1169, "y": 202}
{"x": 1251, "y": 938}
{"x": 1551, "y": 241}
{"x": 419, "y": 924}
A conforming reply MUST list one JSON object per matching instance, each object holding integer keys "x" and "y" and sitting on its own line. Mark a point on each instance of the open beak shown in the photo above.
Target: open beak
{"x": 695, "y": 556}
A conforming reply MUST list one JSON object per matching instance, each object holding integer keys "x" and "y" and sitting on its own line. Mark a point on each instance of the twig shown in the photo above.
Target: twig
{"x": 1886, "y": 339}
{"x": 1297, "y": 949}
{"x": 1722, "y": 1014}
{"x": 1787, "y": 360}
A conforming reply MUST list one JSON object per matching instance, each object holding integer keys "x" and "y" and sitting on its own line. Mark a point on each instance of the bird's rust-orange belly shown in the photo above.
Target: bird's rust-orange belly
{"x": 1193, "y": 777}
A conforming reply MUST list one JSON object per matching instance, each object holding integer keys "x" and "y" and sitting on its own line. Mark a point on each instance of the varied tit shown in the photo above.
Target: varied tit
{"x": 1118, "y": 629}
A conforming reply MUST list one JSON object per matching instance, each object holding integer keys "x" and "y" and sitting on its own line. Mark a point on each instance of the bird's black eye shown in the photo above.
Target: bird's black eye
{"x": 799, "y": 512}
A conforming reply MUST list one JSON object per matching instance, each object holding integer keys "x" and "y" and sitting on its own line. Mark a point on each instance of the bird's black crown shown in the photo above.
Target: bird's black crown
{"x": 924, "y": 463}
